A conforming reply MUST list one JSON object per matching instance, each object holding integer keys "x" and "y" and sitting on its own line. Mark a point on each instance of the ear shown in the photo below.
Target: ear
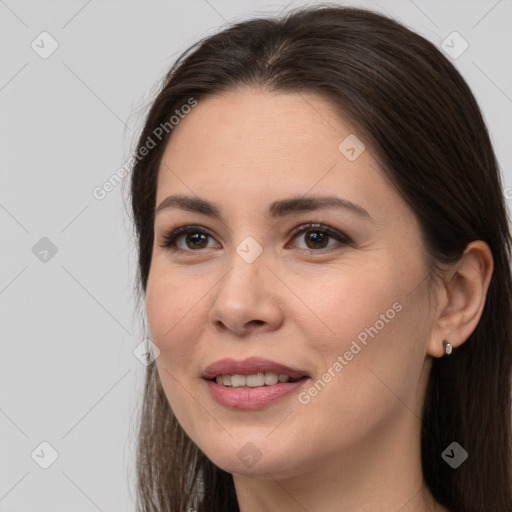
{"x": 461, "y": 297}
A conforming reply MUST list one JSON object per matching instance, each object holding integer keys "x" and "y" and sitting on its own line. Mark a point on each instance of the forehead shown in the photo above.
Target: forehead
{"x": 255, "y": 145}
{"x": 254, "y": 125}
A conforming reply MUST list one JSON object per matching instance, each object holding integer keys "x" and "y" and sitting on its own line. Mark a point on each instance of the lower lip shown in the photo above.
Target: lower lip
{"x": 252, "y": 398}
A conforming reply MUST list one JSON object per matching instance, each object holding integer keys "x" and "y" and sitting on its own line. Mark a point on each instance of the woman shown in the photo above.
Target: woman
{"x": 324, "y": 257}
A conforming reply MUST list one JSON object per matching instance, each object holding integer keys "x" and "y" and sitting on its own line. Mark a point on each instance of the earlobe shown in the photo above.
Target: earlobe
{"x": 463, "y": 289}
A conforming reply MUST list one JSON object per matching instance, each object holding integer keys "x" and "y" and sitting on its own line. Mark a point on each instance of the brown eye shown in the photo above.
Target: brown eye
{"x": 318, "y": 237}
{"x": 187, "y": 239}
{"x": 196, "y": 240}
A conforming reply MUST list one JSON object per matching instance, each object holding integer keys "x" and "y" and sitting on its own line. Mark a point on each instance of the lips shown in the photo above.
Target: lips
{"x": 228, "y": 386}
{"x": 251, "y": 366}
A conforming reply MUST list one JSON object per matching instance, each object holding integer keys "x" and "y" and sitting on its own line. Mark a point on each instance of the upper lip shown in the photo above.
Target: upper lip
{"x": 250, "y": 366}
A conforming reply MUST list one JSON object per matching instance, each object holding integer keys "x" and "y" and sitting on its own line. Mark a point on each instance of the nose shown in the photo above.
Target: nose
{"x": 247, "y": 299}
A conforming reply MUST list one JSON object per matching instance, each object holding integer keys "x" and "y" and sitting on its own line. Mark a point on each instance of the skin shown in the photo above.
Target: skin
{"x": 356, "y": 445}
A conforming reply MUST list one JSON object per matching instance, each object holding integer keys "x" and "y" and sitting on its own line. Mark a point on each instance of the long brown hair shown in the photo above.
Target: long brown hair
{"x": 427, "y": 131}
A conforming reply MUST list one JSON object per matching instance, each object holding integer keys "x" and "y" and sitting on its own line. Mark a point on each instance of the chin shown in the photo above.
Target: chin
{"x": 259, "y": 459}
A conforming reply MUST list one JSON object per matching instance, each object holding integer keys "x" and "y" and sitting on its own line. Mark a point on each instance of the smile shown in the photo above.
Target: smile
{"x": 252, "y": 383}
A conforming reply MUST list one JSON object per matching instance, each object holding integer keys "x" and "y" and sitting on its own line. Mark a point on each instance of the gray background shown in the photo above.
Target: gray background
{"x": 68, "y": 375}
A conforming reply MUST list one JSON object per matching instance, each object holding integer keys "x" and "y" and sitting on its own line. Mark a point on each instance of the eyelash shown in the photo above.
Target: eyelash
{"x": 169, "y": 240}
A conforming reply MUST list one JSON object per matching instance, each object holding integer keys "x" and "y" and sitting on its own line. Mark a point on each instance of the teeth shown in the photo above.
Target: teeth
{"x": 271, "y": 378}
{"x": 238, "y": 380}
{"x": 252, "y": 381}
{"x": 225, "y": 380}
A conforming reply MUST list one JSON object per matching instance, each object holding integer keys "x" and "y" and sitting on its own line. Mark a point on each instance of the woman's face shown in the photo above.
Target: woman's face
{"x": 344, "y": 304}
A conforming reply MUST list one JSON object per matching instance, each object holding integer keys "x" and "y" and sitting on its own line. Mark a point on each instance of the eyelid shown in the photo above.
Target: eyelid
{"x": 311, "y": 226}
{"x": 339, "y": 236}
{"x": 169, "y": 239}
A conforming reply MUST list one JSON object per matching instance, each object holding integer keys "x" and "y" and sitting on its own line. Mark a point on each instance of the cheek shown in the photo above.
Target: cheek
{"x": 367, "y": 332}
{"x": 173, "y": 309}
{"x": 345, "y": 307}
{"x": 175, "y": 316}
{"x": 372, "y": 361}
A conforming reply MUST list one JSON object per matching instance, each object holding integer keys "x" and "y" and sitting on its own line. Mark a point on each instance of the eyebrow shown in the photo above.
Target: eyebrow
{"x": 277, "y": 209}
